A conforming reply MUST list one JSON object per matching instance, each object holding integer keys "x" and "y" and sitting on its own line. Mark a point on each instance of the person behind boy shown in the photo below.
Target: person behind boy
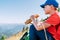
{"x": 37, "y": 32}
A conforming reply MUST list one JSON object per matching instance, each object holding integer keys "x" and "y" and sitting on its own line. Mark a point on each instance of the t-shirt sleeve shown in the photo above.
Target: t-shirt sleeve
{"x": 53, "y": 20}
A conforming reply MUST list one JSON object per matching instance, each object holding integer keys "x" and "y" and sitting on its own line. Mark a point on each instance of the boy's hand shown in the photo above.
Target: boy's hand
{"x": 32, "y": 17}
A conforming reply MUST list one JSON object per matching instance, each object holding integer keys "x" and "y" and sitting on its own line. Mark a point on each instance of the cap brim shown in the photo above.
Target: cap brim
{"x": 42, "y": 6}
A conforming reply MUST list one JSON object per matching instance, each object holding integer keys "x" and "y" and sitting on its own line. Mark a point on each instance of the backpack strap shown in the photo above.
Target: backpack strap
{"x": 59, "y": 23}
{"x": 57, "y": 26}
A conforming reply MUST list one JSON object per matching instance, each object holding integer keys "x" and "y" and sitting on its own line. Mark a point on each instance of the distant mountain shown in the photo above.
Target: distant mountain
{"x": 10, "y": 29}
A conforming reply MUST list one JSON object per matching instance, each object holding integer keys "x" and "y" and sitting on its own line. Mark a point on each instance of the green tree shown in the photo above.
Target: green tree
{"x": 58, "y": 9}
{"x": 3, "y": 37}
{"x": 23, "y": 29}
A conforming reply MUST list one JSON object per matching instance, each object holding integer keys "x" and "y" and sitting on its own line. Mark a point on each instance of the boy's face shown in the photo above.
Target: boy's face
{"x": 47, "y": 9}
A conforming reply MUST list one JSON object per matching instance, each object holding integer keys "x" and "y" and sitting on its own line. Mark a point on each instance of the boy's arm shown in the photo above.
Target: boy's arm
{"x": 39, "y": 27}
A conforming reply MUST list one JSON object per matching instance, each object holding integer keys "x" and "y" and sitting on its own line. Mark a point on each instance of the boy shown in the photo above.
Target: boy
{"x": 36, "y": 31}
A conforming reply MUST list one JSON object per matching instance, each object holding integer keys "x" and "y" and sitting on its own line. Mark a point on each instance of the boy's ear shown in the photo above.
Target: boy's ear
{"x": 52, "y": 6}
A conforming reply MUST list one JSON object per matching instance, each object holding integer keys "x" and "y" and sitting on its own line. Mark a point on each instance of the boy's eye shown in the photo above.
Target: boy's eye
{"x": 45, "y": 6}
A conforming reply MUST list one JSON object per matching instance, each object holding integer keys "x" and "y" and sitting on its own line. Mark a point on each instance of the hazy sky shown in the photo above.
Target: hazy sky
{"x": 17, "y": 11}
